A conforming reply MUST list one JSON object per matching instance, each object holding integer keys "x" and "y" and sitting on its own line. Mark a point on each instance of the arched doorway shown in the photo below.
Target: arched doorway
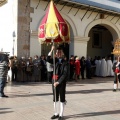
{"x": 100, "y": 43}
{"x": 113, "y": 33}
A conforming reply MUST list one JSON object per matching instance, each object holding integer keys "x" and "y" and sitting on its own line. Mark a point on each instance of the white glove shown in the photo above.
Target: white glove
{"x": 117, "y": 64}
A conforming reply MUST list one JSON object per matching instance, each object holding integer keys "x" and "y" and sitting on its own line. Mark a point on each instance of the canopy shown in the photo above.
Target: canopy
{"x": 53, "y": 28}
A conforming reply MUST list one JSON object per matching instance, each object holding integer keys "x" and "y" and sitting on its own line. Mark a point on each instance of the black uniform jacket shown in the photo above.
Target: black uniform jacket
{"x": 61, "y": 69}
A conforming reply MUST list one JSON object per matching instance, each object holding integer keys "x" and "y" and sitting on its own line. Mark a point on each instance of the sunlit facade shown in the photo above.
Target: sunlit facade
{"x": 94, "y": 26}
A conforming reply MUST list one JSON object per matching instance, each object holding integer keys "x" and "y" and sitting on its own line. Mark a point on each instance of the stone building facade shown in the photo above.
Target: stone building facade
{"x": 86, "y": 24}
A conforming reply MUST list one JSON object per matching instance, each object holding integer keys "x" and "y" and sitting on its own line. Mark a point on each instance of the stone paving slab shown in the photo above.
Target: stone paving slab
{"x": 89, "y": 99}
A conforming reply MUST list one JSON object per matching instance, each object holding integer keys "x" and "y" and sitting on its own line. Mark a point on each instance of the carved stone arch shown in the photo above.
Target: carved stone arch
{"x": 109, "y": 25}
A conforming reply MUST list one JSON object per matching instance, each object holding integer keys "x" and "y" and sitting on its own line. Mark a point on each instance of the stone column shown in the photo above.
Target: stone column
{"x": 78, "y": 46}
{"x": 23, "y": 36}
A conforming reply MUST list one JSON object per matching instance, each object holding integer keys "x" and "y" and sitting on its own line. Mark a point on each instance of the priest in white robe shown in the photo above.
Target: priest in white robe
{"x": 103, "y": 68}
{"x": 109, "y": 67}
{"x": 98, "y": 64}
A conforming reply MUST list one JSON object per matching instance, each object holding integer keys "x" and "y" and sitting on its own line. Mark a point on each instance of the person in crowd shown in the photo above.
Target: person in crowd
{"x": 82, "y": 64}
{"x": 88, "y": 68}
{"x": 77, "y": 68}
{"x": 115, "y": 60}
{"x": 29, "y": 69}
{"x": 49, "y": 69}
{"x": 14, "y": 67}
{"x": 3, "y": 73}
{"x": 103, "y": 68}
{"x": 23, "y": 69}
{"x": 59, "y": 82}
{"x": 11, "y": 58}
{"x": 36, "y": 68}
{"x": 109, "y": 67}
{"x": 72, "y": 66}
{"x": 43, "y": 68}
{"x": 95, "y": 59}
{"x": 98, "y": 64}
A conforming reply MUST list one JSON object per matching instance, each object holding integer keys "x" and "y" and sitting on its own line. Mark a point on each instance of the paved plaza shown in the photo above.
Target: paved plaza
{"x": 89, "y": 99}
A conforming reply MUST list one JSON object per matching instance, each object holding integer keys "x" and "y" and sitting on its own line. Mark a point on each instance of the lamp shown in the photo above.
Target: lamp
{"x": 116, "y": 50}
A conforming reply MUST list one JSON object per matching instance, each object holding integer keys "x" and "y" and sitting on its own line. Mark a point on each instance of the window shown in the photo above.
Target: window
{"x": 97, "y": 39}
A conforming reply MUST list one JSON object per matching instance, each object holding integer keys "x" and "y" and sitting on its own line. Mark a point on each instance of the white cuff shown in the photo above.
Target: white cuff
{"x": 50, "y": 53}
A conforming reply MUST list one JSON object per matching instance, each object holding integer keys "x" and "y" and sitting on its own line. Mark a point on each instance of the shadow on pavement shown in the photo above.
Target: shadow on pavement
{"x": 4, "y": 112}
{"x": 92, "y": 114}
{"x": 88, "y": 91}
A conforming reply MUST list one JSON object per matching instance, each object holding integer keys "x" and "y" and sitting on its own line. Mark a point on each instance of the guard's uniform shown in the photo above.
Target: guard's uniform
{"x": 61, "y": 70}
{"x": 61, "y": 76}
{"x": 116, "y": 69}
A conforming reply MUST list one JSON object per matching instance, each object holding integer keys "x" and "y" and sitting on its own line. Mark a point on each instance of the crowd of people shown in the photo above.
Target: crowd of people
{"x": 100, "y": 67}
{"x": 27, "y": 69}
{"x": 39, "y": 69}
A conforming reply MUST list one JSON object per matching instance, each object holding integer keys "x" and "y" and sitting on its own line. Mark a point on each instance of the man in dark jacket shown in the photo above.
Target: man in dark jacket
{"x": 3, "y": 73}
{"x": 82, "y": 64}
{"x": 88, "y": 68}
{"x": 59, "y": 82}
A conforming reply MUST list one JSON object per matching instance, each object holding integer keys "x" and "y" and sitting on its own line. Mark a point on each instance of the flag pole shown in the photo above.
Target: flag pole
{"x": 117, "y": 76}
{"x": 54, "y": 71}
{"x": 118, "y": 60}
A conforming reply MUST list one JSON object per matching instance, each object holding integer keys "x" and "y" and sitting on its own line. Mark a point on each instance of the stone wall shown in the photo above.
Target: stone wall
{"x": 23, "y": 41}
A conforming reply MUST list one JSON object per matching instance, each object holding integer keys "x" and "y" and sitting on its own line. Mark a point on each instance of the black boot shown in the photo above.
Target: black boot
{"x": 55, "y": 116}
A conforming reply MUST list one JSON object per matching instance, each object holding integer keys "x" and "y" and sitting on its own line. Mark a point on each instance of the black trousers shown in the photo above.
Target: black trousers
{"x": 14, "y": 74}
{"x": 82, "y": 72}
{"x": 115, "y": 80}
{"x": 2, "y": 85}
{"x": 49, "y": 76}
{"x": 60, "y": 92}
{"x": 43, "y": 74}
{"x": 88, "y": 72}
{"x": 71, "y": 72}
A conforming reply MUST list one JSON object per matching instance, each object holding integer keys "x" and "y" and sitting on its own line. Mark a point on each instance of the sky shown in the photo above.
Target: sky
{"x": 6, "y": 27}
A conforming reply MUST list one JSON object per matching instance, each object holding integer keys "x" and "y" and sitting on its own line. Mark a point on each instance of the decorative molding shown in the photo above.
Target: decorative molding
{"x": 81, "y": 39}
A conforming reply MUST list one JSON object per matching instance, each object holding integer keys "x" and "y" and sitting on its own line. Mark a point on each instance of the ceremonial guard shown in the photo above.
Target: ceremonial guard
{"x": 59, "y": 82}
{"x": 116, "y": 69}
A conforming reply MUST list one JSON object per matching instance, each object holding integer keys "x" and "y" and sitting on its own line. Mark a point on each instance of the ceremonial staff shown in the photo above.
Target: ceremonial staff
{"x": 53, "y": 29}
